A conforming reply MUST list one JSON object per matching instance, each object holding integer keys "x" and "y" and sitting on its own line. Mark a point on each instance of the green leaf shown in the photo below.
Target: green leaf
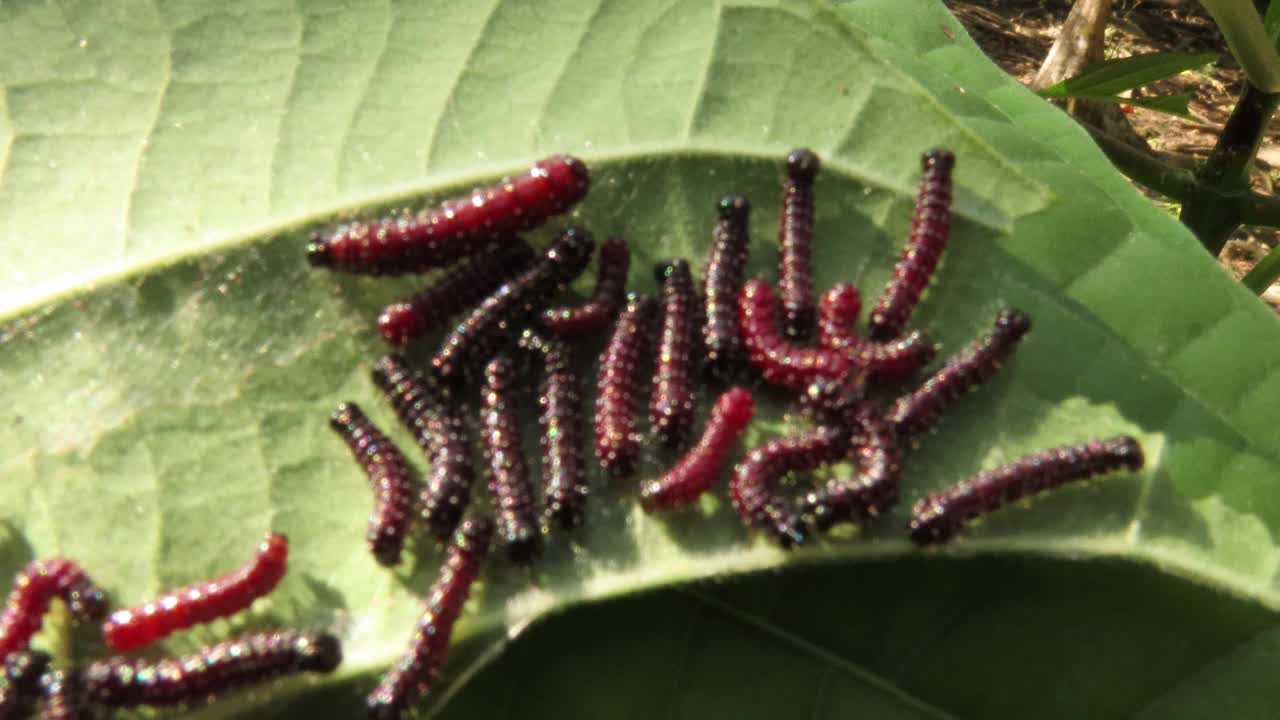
{"x": 1110, "y": 77}
{"x": 169, "y": 359}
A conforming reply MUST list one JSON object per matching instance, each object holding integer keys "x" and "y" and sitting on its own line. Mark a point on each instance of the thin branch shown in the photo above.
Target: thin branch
{"x": 1145, "y": 169}
{"x": 1260, "y": 209}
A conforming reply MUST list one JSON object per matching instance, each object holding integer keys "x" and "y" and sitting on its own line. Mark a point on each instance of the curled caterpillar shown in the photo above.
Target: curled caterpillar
{"x": 937, "y": 517}
{"x": 838, "y": 311}
{"x": 411, "y": 678}
{"x": 778, "y": 361}
{"x": 20, "y": 682}
{"x": 253, "y": 659}
{"x": 34, "y": 588}
{"x": 930, "y": 229}
{"x": 593, "y": 317}
{"x": 671, "y": 404}
{"x": 490, "y": 325}
{"x": 517, "y": 517}
{"x": 699, "y": 469}
{"x": 752, "y": 492}
{"x": 616, "y": 440}
{"x": 460, "y": 288}
{"x": 795, "y": 244}
{"x": 458, "y": 228}
{"x": 874, "y": 488}
{"x": 394, "y": 490}
{"x": 964, "y": 371}
{"x": 564, "y": 484}
{"x": 201, "y": 602}
{"x": 894, "y": 360}
{"x": 65, "y": 696}
{"x": 722, "y": 279}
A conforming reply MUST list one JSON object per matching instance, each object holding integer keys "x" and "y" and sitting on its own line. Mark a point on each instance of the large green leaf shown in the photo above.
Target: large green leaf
{"x": 170, "y": 360}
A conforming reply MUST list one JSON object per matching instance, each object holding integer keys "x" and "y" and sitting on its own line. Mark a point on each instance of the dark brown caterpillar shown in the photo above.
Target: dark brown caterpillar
{"x": 457, "y": 291}
{"x": 564, "y": 483}
{"x": 415, "y": 397}
{"x": 671, "y": 404}
{"x": 411, "y": 678}
{"x": 593, "y": 317}
{"x": 751, "y": 489}
{"x": 65, "y": 696}
{"x": 964, "y": 371}
{"x": 394, "y": 489}
{"x": 795, "y": 245}
{"x": 937, "y": 517}
{"x": 34, "y": 588}
{"x": 874, "y": 488}
{"x": 517, "y": 517}
{"x": 20, "y": 682}
{"x": 493, "y": 323}
{"x": 722, "y": 279}
{"x": 894, "y": 360}
{"x": 616, "y": 440}
{"x": 930, "y": 229}
{"x": 458, "y": 228}
{"x": 699, "y": 469}
{"x": 779, "y": 361}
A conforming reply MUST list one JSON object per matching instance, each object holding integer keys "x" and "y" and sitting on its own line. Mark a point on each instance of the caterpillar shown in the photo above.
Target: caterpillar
{"x": 564, "y": 485}
{"x": 967, "y": 369}
{"x": 894, "y": 360}
{"x": 930, "y": 229}
{"x": 393, "y": 488}
{"x": 34, "y": 588}
{"x": 65, "y": 696}
{"x": 411, "y": 678}
{"x": 795, "y": 244}
{"x": 937, "y": 517}
{"x": 751, "y": 488}
{"x": 20, "y": 682}
{"x": 699, "y": 469}
{"x": 414, "y": 396}
{"x": 458, "y": 228}
{"x": 593, "y": 317}
{"x": 671, "y": 403}
{"x": 200, "y": 602}
{"x": 490, "y": 325}
{"x": 838, "y": 311}
{"x": 517, "y": 520}
{"x": 831, "y": 401}
{"x": 253, "y": 659}
{"x": 617, "y": 442}
{"x": 874, "y": 488}
{"x": 722, "y": 279}
{"x": 778, "y": 361}
{"x": 460, "y": 288}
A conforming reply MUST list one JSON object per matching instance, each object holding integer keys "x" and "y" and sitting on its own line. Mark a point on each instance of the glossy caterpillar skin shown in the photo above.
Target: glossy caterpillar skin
{"x": 593, "y": 317}
{"x": 496, "y": 320}
{"x": 885, "y": 362}
{"x": 778, "y": 361}
{"x": 200, "y": 602}
{"x": 964, "y": 371}
{"x": 937, "y": 517}
{"x": 394, "y": 489}
{"x": 699, "y": 469}
{"x": 34, "y": 589}
{"x": 457, "y": 291}
{"x": 722, "y": 280}
{"x": 671, "y": 404}
{"x": 414, "y": 396}
{"x": 831, "y": 401}
{"x": 458, "y": 228}
{"x": 65, "y": 696}
{"x": 517, "y": 516}
{"x": 249, "y": 660}
{"x": 930, "y": 229}
{"x": 751, "y": 489}
{"x": 795, "y": 245}
{"x": 838, "y": 311}
{"x": 564, "y": 484}
{"x": 874, "y": 488}
{"x": 20, "y": 683}
{"x": 617, "y": 441}
{"x": 411, "y": 677}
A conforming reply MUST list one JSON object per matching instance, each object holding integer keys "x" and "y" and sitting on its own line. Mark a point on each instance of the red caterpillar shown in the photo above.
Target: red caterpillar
{"x": 394, "y": 489}
{"x": 460, "y": 288}
{"x": 458, "y": 228}
{"x": 930, "y": 228}
{"x": 795, "y": 244}
{"x": 937, "y": 517}
{"x": 874, "y": 488}
{"x": 671, "y": 404}
{"x": 201, "y": 602}
{"x": 34, "y": 588}
{"x": 411, "y": 677}
{"x": 20, "y": 682}
{"x": 751, "y": 488}
{"x": 722, "y": 279}
{"x": 249, "y": 660}
{"x": 564, "y": 485}
{"x": 65, "y": 696}
{"x": 889, "y": 361}
{"x": 594, "y": 316}
{"x": 967, "y": 369}
{"x": 838, "y": 311}
{"x": 780, "y": 362}
{"x": 489, "y": 326}
{"x": 699, "y": 469}
{"x": 517, "y": 521}
{"x": 617, "y": 442}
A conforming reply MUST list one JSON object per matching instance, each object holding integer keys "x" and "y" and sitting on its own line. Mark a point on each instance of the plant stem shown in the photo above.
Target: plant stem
{"x": 1247, "y": 38}
{"x": 1264, "y": 273}
{"x": 1145, "y": 169}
